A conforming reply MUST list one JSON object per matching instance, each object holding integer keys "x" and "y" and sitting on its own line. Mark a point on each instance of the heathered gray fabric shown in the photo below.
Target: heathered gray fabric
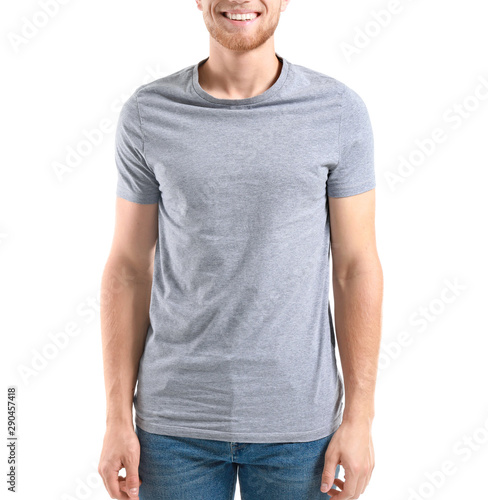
{"x": 241, "y": 342}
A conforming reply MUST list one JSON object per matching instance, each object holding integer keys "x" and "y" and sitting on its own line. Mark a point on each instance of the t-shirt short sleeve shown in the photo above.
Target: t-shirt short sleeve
{"x": 135, "y": 179}
{"x": 354, "y": 172}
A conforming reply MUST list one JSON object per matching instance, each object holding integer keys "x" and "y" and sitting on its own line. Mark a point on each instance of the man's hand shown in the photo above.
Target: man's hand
{"x": 121, "y": 449}
{"x": 352, "y": 447}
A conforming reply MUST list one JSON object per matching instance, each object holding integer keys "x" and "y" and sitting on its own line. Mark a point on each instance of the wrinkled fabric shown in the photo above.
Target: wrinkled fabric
{"x": 241, "y": 342}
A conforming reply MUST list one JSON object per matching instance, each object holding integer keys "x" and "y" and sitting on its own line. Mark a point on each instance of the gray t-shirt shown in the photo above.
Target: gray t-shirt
{"x": 241, "y": 341}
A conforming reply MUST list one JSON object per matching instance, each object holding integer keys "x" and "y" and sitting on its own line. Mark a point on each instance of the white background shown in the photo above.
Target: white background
{"x": 56, "y": 230}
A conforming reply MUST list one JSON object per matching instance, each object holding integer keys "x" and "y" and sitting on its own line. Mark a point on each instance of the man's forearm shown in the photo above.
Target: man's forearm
{"x": 358, "y": 310}
{"x": 124, "y": 315}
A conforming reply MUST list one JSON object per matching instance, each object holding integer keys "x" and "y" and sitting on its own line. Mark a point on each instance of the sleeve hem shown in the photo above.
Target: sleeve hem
{"x": 351, "y": 191}
{"x": 144, "y": 199}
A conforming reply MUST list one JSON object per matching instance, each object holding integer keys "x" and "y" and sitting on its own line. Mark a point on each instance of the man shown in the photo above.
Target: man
{"x": 236, "y": 177}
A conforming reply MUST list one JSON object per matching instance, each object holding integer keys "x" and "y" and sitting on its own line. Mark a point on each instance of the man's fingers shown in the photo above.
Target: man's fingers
{"x": 132, "y": 480}
{"x": 328, "y": 473}
{"x": 123, "y": 486}
{"x": 348, "y": 488}
{"x": 110, "y": 477}
{"x": 361, "y": 486}
{"x": 332, "y": 492}
{"x": 339, "y": 482}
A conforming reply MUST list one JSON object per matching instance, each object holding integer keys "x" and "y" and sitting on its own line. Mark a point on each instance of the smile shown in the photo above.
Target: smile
{"x": 241, "y": 19}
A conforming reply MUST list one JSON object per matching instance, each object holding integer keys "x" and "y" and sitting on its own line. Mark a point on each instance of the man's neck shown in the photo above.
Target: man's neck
{"x": 231, "y": 75}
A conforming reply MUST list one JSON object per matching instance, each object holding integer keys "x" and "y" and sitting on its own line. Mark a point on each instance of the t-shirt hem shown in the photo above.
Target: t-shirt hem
{"x": 242, "y": 437}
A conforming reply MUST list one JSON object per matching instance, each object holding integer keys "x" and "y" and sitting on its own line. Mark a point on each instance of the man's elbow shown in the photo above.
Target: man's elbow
{"x": 361, "y": 267}
{"x": 123, "y": 271}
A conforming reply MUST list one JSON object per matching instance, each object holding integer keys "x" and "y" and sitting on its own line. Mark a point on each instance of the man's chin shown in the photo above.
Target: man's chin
{"x": 236, "y": 43}
{"x": 236, "y": 47}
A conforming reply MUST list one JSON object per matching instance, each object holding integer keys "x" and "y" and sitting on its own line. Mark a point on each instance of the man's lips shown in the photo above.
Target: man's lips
{"x": 241, "y": 12}
{"x": 244, "y": 22}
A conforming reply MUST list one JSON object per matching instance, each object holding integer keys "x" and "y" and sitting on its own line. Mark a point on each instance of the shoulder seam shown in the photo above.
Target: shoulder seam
{"x": 140, "y": 126}
{"x": 340, "y": 123}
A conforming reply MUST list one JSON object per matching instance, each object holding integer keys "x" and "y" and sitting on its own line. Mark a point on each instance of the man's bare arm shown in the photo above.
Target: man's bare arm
{"x": 124, "y": 315}
{"x": 357, "y": 279}
{"x": 125, "y": 298}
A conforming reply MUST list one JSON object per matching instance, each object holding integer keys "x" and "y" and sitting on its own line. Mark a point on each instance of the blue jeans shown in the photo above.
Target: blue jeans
{"x": 181, "y": 468}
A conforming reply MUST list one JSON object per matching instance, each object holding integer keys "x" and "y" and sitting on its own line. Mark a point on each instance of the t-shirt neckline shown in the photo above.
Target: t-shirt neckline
{"x": 248, "y": 100}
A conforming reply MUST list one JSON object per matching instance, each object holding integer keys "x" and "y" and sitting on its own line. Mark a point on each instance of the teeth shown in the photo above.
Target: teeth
{"x": 241, "y": 17}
